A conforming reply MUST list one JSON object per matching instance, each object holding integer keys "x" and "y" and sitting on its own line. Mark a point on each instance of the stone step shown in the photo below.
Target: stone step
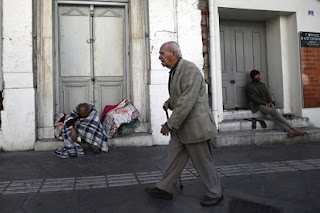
{"x": 136, "y": 139}
{"x": 243, "y": 125}
{"x": 241, "y": 114}
{"x": 266, "y": 137}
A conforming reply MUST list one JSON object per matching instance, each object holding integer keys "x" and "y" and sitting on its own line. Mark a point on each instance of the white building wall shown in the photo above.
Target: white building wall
{"x": 170, "y": 20}
{"x": 18, "y": 116}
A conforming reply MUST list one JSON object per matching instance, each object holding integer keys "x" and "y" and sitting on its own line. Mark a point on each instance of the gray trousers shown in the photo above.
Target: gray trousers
{"x": 275, "y": 115}
{"x": 202, "y": 160}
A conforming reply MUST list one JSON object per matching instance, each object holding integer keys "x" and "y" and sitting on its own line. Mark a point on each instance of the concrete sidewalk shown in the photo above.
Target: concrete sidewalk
{"x": 277, "y": 178}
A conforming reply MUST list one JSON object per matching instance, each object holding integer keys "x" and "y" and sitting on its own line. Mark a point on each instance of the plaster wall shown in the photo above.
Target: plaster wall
{"x": 170, "y": 20}
{"x": 18, "y": 116}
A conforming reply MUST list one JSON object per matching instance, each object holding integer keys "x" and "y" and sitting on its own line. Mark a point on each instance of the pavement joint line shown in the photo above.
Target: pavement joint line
{"x": 120, "y": 179}
{"x": 136, "y": 178}
{"x": 194, "y": 172}
{"x": 90, "y": 187}
{"x": 123, "y": 181}
{"x": 158, "y": 175}
{"x": 149, "y": 178}
{"x": 151, "y": 181}
{"x": 59, "y": 183}
{"x": 124, "y": 184}
{"x": 57, "y": 189}
{"x": 313, "y": 162}
{"x": 90, "y": 184}
{"x": 119, "y": 175}
{"x": 89, "y": 177}
{"x": 149, "y": 173}
{"x": 57, "y": 186}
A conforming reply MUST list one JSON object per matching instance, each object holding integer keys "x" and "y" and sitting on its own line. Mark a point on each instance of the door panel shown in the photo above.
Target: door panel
{"x": 222, "y": 47}
{"x": 239, "y": 51}
{"x": 74, "y": 93}
{"x": 108, "y": 93}
{"x": 243, "y": 48}
{"x": 257, "y": 50}
{"x": 241, "y": 95}
{"x": 227, "y": 64}
{"x": 109, "y": 42}
{"x": 74, "y": 49}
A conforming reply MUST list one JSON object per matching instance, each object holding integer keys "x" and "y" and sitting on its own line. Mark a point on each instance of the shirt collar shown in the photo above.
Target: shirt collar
{"x": 175, "y": 66}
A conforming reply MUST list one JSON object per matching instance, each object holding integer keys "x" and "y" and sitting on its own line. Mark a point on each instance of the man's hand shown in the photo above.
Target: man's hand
{"x": 165, "y": 130}
{"x": 271, "y": 105}
{"x": 165, "y": 106}
{"x": 73, "y": 134}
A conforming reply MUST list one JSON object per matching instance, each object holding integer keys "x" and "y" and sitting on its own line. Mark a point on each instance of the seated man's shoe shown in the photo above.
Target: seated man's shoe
{"x": 208, "y": 201}
{"x": 159, "y": 193}
{"x": 62, "y": 153}
{"x": 95, "y": 149}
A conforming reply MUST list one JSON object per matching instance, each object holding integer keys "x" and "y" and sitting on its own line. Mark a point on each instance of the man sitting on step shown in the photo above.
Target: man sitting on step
{"x": 260, "y": 100}
{"x": 84, "y": 122}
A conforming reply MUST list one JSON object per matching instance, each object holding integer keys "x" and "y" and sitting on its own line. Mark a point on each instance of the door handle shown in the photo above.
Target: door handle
{"x": 232, "y": 82}
{"x": 93, "y": 80}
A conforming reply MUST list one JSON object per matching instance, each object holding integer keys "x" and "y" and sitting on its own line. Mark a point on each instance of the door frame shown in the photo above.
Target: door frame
{"x": 56, "y": 68}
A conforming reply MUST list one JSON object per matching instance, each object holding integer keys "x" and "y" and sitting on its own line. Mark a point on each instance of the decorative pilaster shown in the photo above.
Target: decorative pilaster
{"x": 138, "y": 58}
{"x": 45, "y": 81}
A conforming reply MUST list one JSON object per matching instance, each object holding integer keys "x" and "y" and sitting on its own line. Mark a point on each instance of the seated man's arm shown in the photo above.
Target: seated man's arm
{"x": 266, "y": 93}
{"x": 73, "y": 134}
{"x": 69, "y": 124}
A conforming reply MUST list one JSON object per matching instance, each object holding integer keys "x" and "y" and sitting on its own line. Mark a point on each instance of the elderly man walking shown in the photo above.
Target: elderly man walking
{"x": 191, "y": 126}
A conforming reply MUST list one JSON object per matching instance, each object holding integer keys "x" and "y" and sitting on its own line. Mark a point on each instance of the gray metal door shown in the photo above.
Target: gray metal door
{"x": 92, "y": 55}
{"x": 243, "y": 48}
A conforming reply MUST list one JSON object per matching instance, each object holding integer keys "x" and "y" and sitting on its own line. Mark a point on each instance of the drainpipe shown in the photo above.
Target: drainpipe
{"x": 215, "y": 77}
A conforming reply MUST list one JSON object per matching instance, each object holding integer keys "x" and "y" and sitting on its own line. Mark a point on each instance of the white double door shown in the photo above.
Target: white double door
{"x": 93, "y": 56}
{"x": 243, "y": 48}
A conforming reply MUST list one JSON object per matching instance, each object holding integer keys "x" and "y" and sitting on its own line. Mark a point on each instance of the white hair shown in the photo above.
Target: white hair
{"x": 174, "y": 46}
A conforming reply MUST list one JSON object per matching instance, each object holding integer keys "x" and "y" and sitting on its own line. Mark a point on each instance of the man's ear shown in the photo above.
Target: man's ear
{"x": 174, "y": 53}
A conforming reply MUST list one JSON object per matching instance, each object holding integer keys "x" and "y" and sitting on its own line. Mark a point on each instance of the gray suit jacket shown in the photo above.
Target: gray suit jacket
{"x": 191, "y": 114}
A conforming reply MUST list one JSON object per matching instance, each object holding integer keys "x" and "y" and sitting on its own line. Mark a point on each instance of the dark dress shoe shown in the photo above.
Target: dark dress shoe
{"x": 262, "y": 123}
{"x": 95, "y": 149}
{"x": 208, "y": 201}
{"x": 159, "y": 193}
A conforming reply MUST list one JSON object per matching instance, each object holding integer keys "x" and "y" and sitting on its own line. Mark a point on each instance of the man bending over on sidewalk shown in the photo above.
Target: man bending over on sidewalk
{"x": 85, "y": 122}
{"x": 260, "y": 100}
{"x": 191, "y": 126}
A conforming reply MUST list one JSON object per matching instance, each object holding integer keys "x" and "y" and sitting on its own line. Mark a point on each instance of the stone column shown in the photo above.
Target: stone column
{"x": 18, "y": 115}
{"x": 138, "y": 59}
{"x": 45, "y": 81}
